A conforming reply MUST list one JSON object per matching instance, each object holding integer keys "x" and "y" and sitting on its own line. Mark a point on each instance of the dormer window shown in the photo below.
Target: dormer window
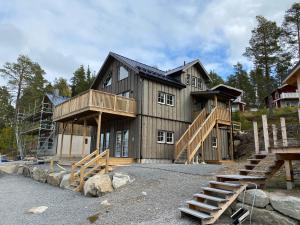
{"x": 107, "y": 81}
{"x": 123, "y": 73}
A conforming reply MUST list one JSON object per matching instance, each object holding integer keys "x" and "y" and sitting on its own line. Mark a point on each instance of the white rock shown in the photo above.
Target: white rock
{"x": 266, "y": 217}
{"x": 9, "y": 169}
{"x": 261, "y": 198}
{"x": 38, "y": 210}
{"x": 65, "y": 181}
{"x": 98, "y": 185}
{"x": 144, "y": 193}
{"x": 39, "y": 174}
{"x": 120, "y": 179}
{"x": 287, "y": 205}
{"x": 105, "y": 203}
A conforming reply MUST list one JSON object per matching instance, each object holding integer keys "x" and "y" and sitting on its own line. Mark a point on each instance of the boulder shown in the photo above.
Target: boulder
{"x": 120, "y": 179}
{"x": 39, "y": 174}
{"x": 65, "y": 181}
{"x": 287, "y": 205}
{"x": 265, "y": 217}
{"x": 55, "y": 178}
{"x": 97, "y": 185}
{"x": 8, "y": 168}
{"x": 38, "y": 210}
{"x": 20, "y": 170}
{"x": 27, "y": 171}
{"x": 261, "y": 198}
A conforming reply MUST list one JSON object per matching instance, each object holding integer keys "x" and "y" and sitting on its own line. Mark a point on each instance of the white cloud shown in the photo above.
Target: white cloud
{"x": 61, "y": 35}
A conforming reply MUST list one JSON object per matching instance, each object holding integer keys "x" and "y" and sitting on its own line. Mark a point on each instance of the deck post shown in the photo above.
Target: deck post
{"x": 274, "y": 130}
{"x": 62, "y": 138}
{"x": 83, "y": 138}
{"x": 266, "y": 132}
{"x": 98, "y": 130}
{"x": 256, "y": 140}
{"x": 283, "y": 132}
{"x": 289, "y": 174}
{"x": 71, "y": 139}
{"x": 202, "y": 152}
{"x": 218, "y": 143}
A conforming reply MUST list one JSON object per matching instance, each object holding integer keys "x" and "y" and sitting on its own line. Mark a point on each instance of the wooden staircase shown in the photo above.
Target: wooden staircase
{"x": 213, "y": 201}
{"x": 87, "y": 167}
{"x": 193, "y": 138}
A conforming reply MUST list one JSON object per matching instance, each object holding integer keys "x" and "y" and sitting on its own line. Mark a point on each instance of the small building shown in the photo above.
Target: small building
{"x": 293, "y": 78}
{"x": 150, "y": 115}
{"x": 284, "y": 96}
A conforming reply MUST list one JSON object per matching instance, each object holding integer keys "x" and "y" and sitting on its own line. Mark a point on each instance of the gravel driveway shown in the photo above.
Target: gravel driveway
{"x": 166, "y": 187}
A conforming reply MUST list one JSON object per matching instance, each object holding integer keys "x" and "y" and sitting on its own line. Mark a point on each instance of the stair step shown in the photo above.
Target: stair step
{"x": 216, "y": 190}
{"x": 195, "y": 213}
{"x": 202, "y": 205}
{"x": 236, "y": 177}
{"x": 260, "y": 156}
{"x": 233, "y": 185}
{"x": 254, "y": 171}
{"x": 254, "y": 161}
{"x": 248, "y": 166}
{"x": 211, "y": 198}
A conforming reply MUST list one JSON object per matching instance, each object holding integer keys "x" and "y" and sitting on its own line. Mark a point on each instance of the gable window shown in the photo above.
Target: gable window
{"x": 161, "y": 136}
{"x": 188, "y": 79}
{"x": 169, "y": 137}
{"x": 194, "y": 81}
{"x": 161, "y": 98}
{"x": 200, "y": 83}
{"x": 107, "y": 81}
{"x": 170, "y": 99}
{"x": 123, "y": 73}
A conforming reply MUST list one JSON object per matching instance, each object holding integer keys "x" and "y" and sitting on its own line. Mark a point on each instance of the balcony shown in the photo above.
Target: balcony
{"x": 289, "y": 95}
{"x": 94, "y": 101}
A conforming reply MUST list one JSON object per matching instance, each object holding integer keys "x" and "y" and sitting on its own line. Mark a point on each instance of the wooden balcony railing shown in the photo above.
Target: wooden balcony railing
{"x": 95, "y": 100}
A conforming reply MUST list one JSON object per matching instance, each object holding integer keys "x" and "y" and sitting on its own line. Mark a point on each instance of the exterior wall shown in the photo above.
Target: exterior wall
{"x": 76, "y": 149}
{"x": 289, "y": 102}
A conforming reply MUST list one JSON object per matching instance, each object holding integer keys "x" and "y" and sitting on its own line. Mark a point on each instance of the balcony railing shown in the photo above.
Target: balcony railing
{"x": 94, "y": 100}
{"x": 289, "y": 95}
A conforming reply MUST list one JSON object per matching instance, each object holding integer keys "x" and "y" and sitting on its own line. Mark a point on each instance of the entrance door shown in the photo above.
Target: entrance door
{"x": 121, "y": 149}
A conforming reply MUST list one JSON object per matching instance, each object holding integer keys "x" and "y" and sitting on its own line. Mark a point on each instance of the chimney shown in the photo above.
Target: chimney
{"x": 56, "y": 92}
{"x": 184, "y": 63}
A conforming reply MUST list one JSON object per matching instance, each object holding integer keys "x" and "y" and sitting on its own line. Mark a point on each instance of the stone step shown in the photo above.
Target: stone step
{"x": 216, "y": 190}
{"x": 204, "y": 206}
{"x": 195, "y": 213}
{"x": 210, "y": 198}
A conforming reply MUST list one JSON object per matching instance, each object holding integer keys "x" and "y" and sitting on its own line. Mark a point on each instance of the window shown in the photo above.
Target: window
{"x": 170, "y": 99}
{"x": 188, "y": 79}
{"x": 107, "y": 81}
{"x": 200, "y": 83}
{"x": 194, "y": 80}
{"x": 161, "y": 136}
{"x": 122, "y": 138}
{"x": 123, "y": 73}
{"x": 169, "y": 137}
{"x": 214, "y": 142}
{"x": 125, "y": 94}
{"x": 161, "y": 97}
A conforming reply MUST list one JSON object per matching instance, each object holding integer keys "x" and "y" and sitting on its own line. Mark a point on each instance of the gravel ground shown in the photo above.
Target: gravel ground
{"x": 167, "y": 187}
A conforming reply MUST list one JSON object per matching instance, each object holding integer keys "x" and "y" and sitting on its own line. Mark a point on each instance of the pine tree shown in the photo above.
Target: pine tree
{"x": 7, "y": 110}
{"x": 63, "y": 87}
{"x": 291, "y": 30}
{"x": 79, "y": 81}
{"x": 216, "y": 79}
{"x": 89, "y": 77}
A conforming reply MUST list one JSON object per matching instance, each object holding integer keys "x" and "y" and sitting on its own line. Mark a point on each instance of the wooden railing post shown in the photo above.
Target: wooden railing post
{"x": 115, "y": 102}
{"x": 283, "y": 132}
{"x": 107, "y": 161}
{"x": 256, "y": 140}
{"x": 266, "y": 132}
{"x": 274, "y": 131}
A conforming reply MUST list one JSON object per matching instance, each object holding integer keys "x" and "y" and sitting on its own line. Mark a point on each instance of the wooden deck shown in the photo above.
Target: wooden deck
{"x": 94, "y": 101}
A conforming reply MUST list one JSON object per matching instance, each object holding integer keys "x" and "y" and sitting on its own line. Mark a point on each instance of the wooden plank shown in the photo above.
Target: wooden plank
{"x": 71, "y": 140}
{"x": 266, "y": 132}
{"x": 256, "y": 140}
{"x": 283, "y": 132}
{"x": 83, "y": 138}
{"x": 98, "y": 130}
{"x": 274, "y": 131}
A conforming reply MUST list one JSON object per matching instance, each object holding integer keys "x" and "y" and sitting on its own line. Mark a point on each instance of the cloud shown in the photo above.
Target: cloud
{"x": 61, "y": 35}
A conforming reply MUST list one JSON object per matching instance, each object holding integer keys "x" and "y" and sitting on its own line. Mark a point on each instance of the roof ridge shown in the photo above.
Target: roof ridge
{"x": 183, "y": 65}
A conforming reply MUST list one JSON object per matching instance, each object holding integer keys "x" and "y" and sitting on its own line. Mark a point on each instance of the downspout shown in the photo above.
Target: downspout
{"x": 141, "y": 126}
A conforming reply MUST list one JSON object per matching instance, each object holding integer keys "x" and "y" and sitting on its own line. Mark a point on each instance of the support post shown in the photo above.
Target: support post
{"x": 62, "y": 138}
{"x": 266, "y": 133}
{"x": 289, "y": 174}
{"x": 283, "y": 132}
{"x": 299, "y": 111}
{"x": 256, "y": 140}
{"x": 274, "y": 130}
{"x": 84, "y": 137}
{"x": 71, "y": 139}
{"x": 218, "y": 143}
{"x": 98, "y": 130}
{"x": 216, "y": 101}
{"x": 202, "y": 153}
{"x": 231, "y": 143}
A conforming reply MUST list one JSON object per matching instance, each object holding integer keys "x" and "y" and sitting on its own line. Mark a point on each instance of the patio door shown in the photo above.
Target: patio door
{"x": 121, "y": 149}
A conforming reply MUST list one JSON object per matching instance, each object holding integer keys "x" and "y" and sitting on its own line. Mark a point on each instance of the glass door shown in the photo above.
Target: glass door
{"x": 121, "y": 149}
{"x": 125, "y": 143}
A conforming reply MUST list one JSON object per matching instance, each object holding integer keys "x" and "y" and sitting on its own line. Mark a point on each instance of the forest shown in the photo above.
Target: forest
{"x": 272, "y": 51}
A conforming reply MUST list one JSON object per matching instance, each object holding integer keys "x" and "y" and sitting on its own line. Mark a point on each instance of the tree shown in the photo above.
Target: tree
{"x": 216, "y": 79}
{"x": 79, "y": 81}
{"x": 291, "y": 29}
{"x": 89, "y": 77}
{"x": 62, "y": 86}
{"x": 240, "y": 79}
{"x": 7, "y": 110}
{"x": 282, "y": 67}
{"x": 264, "y": 46}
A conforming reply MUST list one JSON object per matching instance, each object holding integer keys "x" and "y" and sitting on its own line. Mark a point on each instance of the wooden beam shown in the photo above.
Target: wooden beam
{"x": 283, "y": 132}
{"x": 274, "y": 131}
{"x": 266, "y": 132}
{"x": 71, "y": 140}
{"x": 84, "y": 137}
{"x": 289, "y": 174}
{"x": 218, "y": 143}
{"x": 231, "y": 144}
{"x": 216, "y": 100}
{"x": 98, "y": 130}
{"x": 62, "y": 138}
{"x": 256, "y": 140}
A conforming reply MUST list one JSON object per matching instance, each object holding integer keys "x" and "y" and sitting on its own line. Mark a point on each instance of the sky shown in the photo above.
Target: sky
{"x": 62, "y": 35}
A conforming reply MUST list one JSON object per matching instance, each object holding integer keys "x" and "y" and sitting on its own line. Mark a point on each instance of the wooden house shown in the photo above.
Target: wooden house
{"x": 144, "y": 113}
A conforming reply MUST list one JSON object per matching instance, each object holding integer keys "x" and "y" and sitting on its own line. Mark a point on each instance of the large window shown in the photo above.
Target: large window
{"x": 123, "y": 73}
{"x": 165, "y": 137}
{"x": 107, "y": 80}
{"x": 161, "y": 98}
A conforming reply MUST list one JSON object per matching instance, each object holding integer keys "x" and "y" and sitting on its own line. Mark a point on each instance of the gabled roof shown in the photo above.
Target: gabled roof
{"x": 291, "y": 77}
{"x": 237, "y": 92}
{"x": 56, "y": 100}
{"x": 150, "y": 72}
